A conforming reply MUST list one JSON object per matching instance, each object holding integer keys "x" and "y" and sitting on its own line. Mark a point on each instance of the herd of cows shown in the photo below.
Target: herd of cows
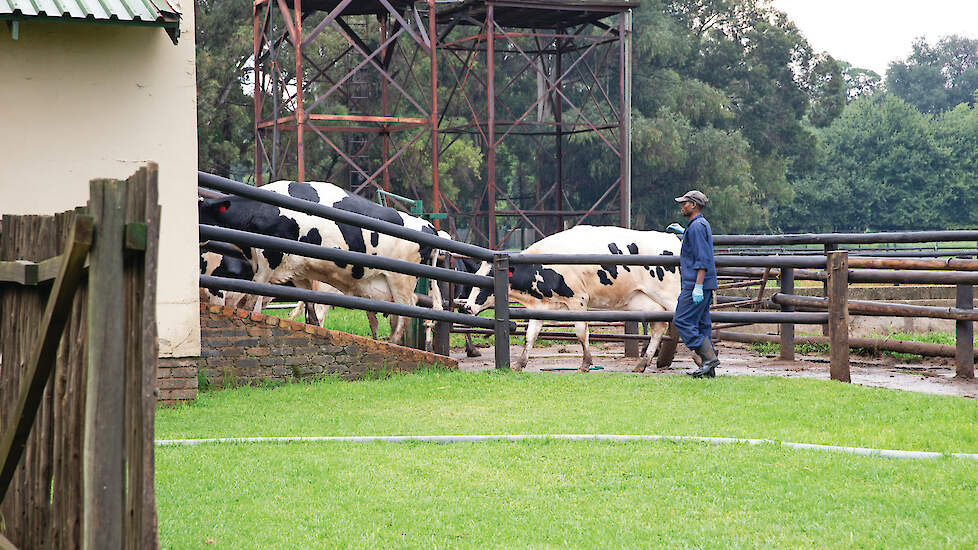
{"x": 535, "y": 286}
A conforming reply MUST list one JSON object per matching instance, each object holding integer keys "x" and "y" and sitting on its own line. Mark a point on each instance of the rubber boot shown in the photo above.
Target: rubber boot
{"x": 708, "y": 360}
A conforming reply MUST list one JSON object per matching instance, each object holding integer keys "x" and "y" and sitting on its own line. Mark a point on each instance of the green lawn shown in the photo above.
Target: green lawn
{"x": 555, "y": 494}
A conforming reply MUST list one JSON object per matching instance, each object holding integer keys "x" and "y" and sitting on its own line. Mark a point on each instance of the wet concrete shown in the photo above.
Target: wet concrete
{"x": 929, "y": 375}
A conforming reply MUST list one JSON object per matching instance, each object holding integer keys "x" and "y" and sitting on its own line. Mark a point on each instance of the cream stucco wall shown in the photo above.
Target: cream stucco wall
{"x": 81, "y": 101}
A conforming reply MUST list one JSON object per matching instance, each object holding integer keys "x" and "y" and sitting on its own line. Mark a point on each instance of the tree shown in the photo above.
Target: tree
{"x": 224, "y": 113}
{"x": 859, "y": 82}
{"x": 724, "y": 95}
{"x": 880, "y": 165}
{"x": 936, "y": 78}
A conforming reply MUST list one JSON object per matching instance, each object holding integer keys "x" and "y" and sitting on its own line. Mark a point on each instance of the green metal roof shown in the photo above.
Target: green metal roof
{"x": 153, "y": 13}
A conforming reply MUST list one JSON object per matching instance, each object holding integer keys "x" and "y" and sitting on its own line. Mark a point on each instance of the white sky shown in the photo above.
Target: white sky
{"x": 872, "y": 33}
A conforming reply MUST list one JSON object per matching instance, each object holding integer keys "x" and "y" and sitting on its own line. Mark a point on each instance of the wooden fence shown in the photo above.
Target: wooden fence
{"x": 78, "y": 356}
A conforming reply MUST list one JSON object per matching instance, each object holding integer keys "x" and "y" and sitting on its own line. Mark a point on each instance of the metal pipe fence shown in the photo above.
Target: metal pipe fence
{"x": 338, "y": 255}
{"x": 831, "y": 266}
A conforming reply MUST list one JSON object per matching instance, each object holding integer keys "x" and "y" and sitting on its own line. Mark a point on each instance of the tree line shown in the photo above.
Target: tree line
{"x": 728, "y": 97}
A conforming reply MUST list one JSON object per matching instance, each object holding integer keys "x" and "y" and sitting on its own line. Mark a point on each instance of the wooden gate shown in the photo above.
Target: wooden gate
{"x": 78, "y": 356}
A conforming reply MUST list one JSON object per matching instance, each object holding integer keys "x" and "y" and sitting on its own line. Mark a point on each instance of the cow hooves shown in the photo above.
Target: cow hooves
{"x": 641, "y": 366}
{"x": 473, "y": 353}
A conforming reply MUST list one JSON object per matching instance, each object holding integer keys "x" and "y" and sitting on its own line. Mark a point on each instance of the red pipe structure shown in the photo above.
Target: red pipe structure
{"x": 344, "y": 89}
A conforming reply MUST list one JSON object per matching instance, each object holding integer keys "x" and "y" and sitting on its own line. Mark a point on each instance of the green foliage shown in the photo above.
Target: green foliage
{"x": 936, "y": 78}
{"x": 881, "y": 166}
{"x": 721, "y": 95}
{"x": 223, "y": 34}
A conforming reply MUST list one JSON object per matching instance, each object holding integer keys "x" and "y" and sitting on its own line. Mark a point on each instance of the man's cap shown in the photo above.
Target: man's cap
{"x": 694, "y": 196}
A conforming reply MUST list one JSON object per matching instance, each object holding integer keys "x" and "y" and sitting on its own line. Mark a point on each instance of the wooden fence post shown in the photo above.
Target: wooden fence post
{"x": 964, "y": 334}
{"x": 787, "y": 329}
{"x": 442, "y": 332}
{"x": 142, "y": 247}
{"x": 104, "y": 451}
{"x": 500, "y": 275}
{"x": 631, "y": 346}
{"x": 825, "y": 284}
{"x": 837, "y": 267}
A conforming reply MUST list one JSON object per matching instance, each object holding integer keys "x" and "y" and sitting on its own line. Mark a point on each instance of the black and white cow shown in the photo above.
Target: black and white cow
{"x": 579, "y": 287}
{"x": 275, "y": 267}
{"x": 221, "y": 260}
{"x": 462, "y": 292}
{"x": 227, "y": 260}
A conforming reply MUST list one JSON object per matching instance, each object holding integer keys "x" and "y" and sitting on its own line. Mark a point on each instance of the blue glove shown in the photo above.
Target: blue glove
{"x": 698, "y": 293}
{"x": 675, "y": 228}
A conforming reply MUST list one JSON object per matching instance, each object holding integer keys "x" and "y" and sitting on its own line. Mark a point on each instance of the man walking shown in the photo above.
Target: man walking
{"x": 698, "y": 276}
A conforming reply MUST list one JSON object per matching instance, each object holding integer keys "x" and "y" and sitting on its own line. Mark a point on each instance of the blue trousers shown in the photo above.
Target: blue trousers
{"x": 692, "y": 321}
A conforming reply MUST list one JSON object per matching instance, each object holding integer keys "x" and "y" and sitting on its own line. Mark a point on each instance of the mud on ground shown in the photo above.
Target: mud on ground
{"x": 928, "y": 375}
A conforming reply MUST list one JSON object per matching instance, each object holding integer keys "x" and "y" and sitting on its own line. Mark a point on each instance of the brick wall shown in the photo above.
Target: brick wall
{"x": 241, "y": 347}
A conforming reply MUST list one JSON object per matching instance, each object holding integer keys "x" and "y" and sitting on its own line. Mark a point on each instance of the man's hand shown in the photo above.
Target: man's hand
{"x": 697, "y": 293}
{"x": 675, "y": 228}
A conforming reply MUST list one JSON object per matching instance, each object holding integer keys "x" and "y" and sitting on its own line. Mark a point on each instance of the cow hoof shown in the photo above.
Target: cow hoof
{"x": 473, "y": 353}
{"x": 641, "y": 366}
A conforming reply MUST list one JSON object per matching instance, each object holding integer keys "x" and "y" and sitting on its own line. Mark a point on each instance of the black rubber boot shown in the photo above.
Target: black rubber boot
{"x": 708, "y": 360}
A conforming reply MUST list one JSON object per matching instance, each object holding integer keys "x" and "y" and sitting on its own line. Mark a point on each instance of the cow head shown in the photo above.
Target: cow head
{"x": 476, "y": 299}
{"x": 217, "y": 211}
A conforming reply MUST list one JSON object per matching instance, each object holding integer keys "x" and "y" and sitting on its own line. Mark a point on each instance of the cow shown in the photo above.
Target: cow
{"x": 462, "y": 291}
{"x": 257, "y": 217}
{"x": 229, "y": 261}
{"x": 579, "y": 287}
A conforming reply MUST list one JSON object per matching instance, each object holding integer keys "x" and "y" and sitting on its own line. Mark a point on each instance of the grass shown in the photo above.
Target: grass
{"x": 448, "y": 402}
{"x": 557, "y": 495}
{"x": 552, "y": 494}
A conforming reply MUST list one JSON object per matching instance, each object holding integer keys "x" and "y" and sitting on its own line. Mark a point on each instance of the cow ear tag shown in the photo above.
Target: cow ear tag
{"x": 222, "y": 208}
{"x": 511, "y": 274}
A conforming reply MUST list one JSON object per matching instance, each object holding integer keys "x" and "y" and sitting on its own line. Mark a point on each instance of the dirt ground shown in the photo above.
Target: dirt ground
{"x": 929, "y": 375}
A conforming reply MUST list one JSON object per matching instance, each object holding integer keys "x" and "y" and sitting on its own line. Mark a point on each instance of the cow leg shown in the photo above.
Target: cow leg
{"x": 642, "y": 302}
{"x": 372, "y": 321}
{"x": 645, "y": 330}
{"x": 470, "y": 349}
{"x": 399, "y": 324}
{"x": 580, "y": 328}
{"x": 296, "y": 310}
{"x": 658, "y": 329}
{"x": 532, "y": 331}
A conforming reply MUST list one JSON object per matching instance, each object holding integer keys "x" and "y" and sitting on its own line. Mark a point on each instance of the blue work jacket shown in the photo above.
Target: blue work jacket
{"x": 696, "y": 254}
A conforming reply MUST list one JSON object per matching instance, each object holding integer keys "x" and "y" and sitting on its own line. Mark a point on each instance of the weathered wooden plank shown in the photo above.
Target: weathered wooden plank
{"x": 18, "y": 271}
{"x": 150, "y": 349}
{"x": 38, "y": 370}
{"x": 141, "y": 356}
{"x": 5, "y": 544}
{"x": 136, "y": 232}
{"x": 838, "y": 325}
{"x": 104, "y": 448}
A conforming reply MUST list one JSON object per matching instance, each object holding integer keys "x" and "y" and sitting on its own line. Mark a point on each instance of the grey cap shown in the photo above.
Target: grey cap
{"x": 694, "y": 196}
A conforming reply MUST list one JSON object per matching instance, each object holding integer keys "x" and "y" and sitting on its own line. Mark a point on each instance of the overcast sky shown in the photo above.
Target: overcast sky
{"x": 872, "y": 33}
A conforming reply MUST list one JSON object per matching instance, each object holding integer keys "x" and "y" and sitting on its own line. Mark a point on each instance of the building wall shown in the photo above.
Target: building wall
{"x": 82, "y": 101}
